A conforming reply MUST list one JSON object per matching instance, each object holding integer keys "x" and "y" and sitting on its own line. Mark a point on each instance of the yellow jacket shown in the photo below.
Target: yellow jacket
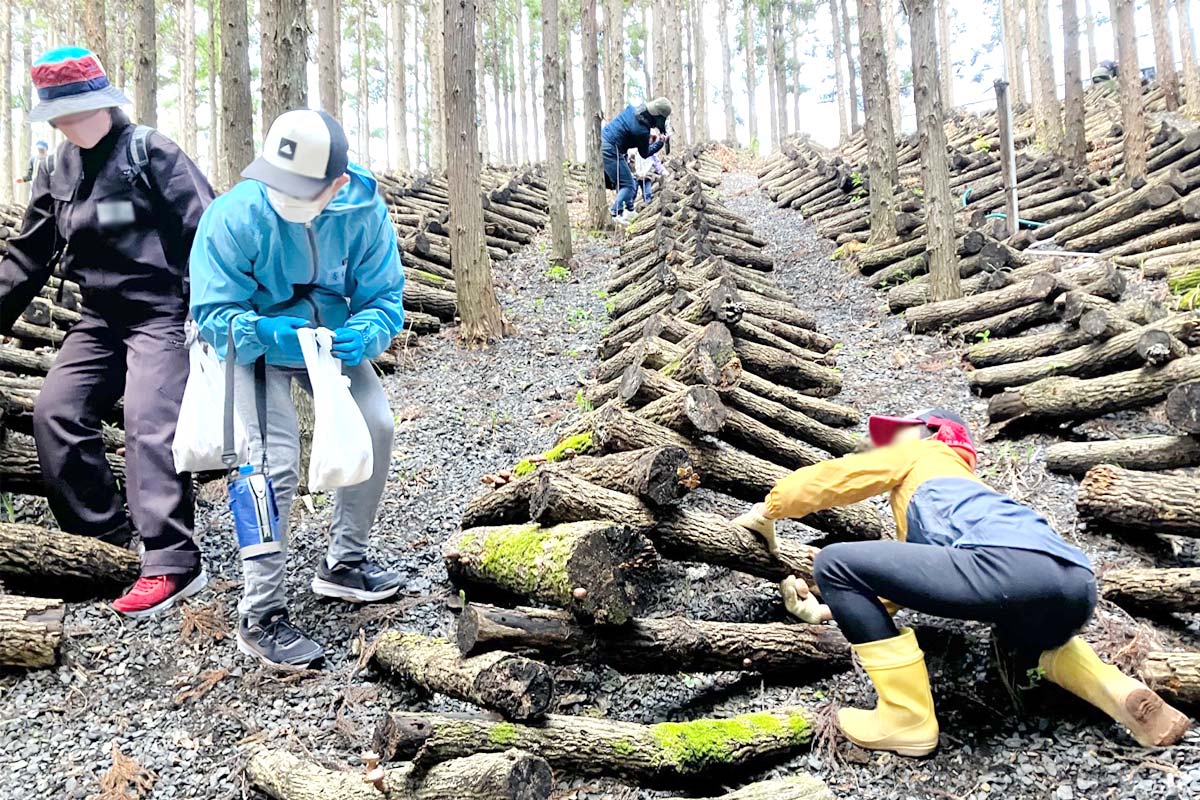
{"x": 935, "y": 497}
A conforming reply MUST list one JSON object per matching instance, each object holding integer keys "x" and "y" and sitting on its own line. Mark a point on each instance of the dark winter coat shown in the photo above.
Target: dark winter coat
{"x": 631, "y": 129}
{"x": 126, "y": 245}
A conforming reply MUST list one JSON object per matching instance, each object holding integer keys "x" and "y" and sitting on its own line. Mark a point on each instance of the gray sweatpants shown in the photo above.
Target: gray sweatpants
{"x": 354, "y": 507}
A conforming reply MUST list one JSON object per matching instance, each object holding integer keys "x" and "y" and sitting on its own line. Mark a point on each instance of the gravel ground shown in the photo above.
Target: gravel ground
{"x": 173, "y": 694}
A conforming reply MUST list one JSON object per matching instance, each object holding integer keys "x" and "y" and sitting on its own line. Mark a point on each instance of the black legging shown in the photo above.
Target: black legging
{"x": 1036, "y": 601}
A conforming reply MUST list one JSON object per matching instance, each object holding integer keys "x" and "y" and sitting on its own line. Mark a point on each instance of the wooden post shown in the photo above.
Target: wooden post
{"x": 1008, "y": 155}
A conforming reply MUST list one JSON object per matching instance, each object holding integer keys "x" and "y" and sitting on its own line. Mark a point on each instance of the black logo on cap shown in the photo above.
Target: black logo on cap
{"x": 287, "y": 149}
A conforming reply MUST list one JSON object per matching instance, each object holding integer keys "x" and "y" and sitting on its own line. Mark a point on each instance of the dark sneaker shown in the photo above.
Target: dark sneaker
{"x": 151, "y": 595}
{"x": 355, "y": 581}
{"x": 278, "y": 643}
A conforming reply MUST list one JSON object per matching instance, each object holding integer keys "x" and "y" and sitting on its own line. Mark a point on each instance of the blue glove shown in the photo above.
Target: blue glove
{"x": 348, "y": 345}
{"x": 281, "y": 332}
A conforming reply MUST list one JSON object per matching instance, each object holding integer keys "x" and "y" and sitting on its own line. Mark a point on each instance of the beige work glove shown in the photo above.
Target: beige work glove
{"x": 801, "y": 603}
{"x": 756, "y": 522}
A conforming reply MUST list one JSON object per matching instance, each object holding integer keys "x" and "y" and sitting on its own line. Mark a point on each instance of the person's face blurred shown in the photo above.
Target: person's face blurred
{"x": 85, "y": 129}
{"x": 908, "y": 433}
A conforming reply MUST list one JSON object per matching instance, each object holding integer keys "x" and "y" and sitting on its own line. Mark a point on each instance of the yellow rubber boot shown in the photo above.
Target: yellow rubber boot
{"x": 903, "y": 720}
{"x": 1076, "y": 668}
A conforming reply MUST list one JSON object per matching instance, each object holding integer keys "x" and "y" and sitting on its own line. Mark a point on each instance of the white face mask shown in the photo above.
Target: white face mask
{"x": 86, "y": 131}
{"x": 293, "y": 210}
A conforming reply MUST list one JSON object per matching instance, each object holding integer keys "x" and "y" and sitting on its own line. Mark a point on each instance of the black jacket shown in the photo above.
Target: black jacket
{"x": 126, "y": 245}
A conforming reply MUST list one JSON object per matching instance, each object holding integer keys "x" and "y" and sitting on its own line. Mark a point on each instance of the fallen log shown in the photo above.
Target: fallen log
{"x": 504, "y": 775}
{"x": 31, "y": 630}
{"x": 668, "y": 753}
{"x": 967, "y": 309}
{"x": 1141, "y": 502}
{"x": 575, "y": 565}
{"x": 20, "y": 472}
{"x": 1183, "y": 407}
{"x": 1175, "y": 674}
{"x": 37, "y": 560}
{"x": 663, "y": 645}
{"x": 1138, "y": 453}
{"x": 1062, "y": 398}
{"x": 512, "y": 685}
{"x": 1163, "y": 590}
{"x": 24, "y": 362}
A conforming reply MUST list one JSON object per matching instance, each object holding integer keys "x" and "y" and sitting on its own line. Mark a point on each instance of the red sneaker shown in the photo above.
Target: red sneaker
{"x": 158, "y": 593}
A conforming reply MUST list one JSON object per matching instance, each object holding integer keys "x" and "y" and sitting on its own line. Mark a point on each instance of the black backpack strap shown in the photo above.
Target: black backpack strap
{"x": 139, "y": 154}
{"x": 139, "y": 163}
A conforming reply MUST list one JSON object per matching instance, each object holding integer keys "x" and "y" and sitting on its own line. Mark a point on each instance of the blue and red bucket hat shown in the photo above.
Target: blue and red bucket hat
{"x": 70, "y": 80}
{"x": 947, "y": 426}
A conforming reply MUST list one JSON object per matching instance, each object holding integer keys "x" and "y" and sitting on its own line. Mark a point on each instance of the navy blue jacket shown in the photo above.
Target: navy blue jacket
{"x": 630, "y": 130}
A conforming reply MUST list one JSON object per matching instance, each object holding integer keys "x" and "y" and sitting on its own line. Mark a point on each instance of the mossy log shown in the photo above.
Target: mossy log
{"x": 31, "y": 630}
{"x": 516, "y": 687}
{"x": 577, "y": 565}
{"x": 1122, "y": 351}
{"x": 1142, "y": 502}
{"x": 1174, "y": 674}
{"x": 662, "y": 645}
{"x": 1163, "y": 590}
{"x": 37, "y": 559}
{"x": 681, "y": 534}
{"x": 668, "y": 753}
{"x": 1063, "y": 398}
{"x": 657, "y": 475}
{"x": 504, "y": 775}
{"x": 945, "y": 313}
{"x": 725, "y": 468}
{"x": 1138, "y": 453}
{"x": 793, "y": 787}
{"x": 1183, "y": 408}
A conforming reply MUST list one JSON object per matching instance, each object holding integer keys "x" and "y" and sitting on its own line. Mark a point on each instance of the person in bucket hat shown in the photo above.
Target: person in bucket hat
{"x": 117, "y": 213}
{"x": 983, "y": 556}
{"x": 304, "y": 241}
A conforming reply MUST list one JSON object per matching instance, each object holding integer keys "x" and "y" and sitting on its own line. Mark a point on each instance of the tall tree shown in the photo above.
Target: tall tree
{"x": 284, "y": 52}
{"x": 437, "y": 82}
{"x": 503, "y": 144}
{"x": 727, "y": 75}
{"x": 237, "y": 110}
{"x": 848, "y": 46}
{"x": 1187, "y": 46}
{"x": 881, "y": 139}
{"x": 1090, "y": 27}
{"x": 1075, "y": 140}
{"x": 560, "y": 224}
{"x": 781, "y": 71}
{"x": 420, "y": 26}
{"x": 7, "y": 168}
{"x": 26, "y": 97}
{"x": 1164, "y": 53}
{"x": 510, "y": 89}
{"x": 598, "y": 216}
{"x": 1047, "y": 113}
{"x": 699, "y": 80}
{"x": 945, "y": 42}
{"x": 935, "y": 168}
{"x": 1133, "y": 104}
{"x": 614, "y": 57}
{"x": 568, "y": 86}
{"x": 329, "y": 56}
{"x": 891, "y": 50}
{"x": 481, "y": 62}
{"x": 216, "y": 164}
{"x": 522, "y": 86}
{"x": 482, "y": 318}
{"x": 534, "y": 58}
{"x": 751, "y": 47}
{"x": 362, "y": 100}
{"x": 398, "y": 89}
{"x": 840, "y": 82}
{"x": 145, "y": 76}
{"x": 187, "y": 79}
{"x": 1014, "y": 48}
{"x": 95, "y": 29}
{"x": 772, "y": 80}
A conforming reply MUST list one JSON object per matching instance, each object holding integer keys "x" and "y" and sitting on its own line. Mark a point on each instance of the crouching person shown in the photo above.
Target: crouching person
{"x": 304, "y": 241}
{"x": 963, "y": 551}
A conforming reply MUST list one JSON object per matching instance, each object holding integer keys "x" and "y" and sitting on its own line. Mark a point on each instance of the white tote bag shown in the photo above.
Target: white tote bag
{"x": 342, "y": 454}
{"x": 199, "y": 433}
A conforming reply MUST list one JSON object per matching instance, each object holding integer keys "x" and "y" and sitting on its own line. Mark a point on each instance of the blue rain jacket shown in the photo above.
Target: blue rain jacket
{"x": 627, "y": 131}
{"x": 340, "y": 270}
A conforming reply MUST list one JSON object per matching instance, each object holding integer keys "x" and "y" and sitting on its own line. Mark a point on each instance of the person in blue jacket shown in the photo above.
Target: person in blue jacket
{"x": 305, "y": 241}
{"x": 631, "y": 130}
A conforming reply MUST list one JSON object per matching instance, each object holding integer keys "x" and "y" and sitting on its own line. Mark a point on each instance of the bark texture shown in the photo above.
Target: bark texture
{"x": 31, "y": 630}
{"x": 237, "y": 114}
{"x": 560, "y": 225}
{"x": 1139, "y": 501}
{"x": 1133, "y": 104}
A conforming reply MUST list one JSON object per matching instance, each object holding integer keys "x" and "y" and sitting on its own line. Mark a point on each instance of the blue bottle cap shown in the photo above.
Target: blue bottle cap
{"x": 246, "y": 469}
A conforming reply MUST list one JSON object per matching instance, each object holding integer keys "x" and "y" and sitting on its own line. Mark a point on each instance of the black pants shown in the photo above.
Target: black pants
{"x": 100, "y": 361}
{"x": 1036, "y": 601}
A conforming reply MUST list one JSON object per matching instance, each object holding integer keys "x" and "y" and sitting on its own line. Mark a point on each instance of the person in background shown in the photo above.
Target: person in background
{"x": 631, "y": 130}
{"x": 963, "y": 551}
{"x": 34, "y": 166}
{"x": 304, "y": 241}
{"x": 121, "y": 227}
{"x": 645, "y": 170}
